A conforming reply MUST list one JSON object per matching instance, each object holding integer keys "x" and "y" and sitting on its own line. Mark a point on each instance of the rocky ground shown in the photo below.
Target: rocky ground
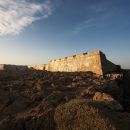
{"x": 37, "y": 100}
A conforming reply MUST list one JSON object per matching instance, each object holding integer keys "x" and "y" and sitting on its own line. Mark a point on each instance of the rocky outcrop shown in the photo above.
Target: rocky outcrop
{"x": 108, "y": 101}
{"x": 37, "y": 100}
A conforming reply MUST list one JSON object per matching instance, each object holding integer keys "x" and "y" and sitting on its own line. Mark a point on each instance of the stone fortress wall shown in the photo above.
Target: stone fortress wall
{"x": 37, "y": 67}
{"x": 1, "y": 66}
{"x": 12, "y": 67}
{"x": 94, "y": 61}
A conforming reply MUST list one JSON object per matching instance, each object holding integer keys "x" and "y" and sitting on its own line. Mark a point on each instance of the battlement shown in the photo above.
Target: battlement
{"x": 86, "y": 54}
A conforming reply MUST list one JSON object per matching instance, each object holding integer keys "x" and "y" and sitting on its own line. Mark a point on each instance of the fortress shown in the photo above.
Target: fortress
{"x": 94, "y": 61}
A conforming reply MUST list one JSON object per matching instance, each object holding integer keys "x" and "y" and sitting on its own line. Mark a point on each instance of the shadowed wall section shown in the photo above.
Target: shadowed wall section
{"x": 107, "y": 66}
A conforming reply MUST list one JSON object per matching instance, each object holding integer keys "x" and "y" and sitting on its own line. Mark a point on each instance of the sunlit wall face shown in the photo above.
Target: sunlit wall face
{"x": 56, "y": 28}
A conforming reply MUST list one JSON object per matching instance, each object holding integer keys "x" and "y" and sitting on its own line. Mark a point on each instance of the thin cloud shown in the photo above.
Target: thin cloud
{"x": 15, "y": 15}
{"x": 97, "y": 15}
{"x": 89, "y": 23}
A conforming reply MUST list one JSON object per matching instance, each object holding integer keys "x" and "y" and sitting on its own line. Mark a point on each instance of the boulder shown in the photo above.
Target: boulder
{"x": 109, "y": 101}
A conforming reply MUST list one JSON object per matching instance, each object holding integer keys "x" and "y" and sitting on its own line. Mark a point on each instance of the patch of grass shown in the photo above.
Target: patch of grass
{"x": 84, "y": 114}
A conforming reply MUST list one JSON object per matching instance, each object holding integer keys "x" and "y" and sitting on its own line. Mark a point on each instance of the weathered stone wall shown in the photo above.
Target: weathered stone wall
{"x": 94, "y": 61}
{"x": 1, "y": 67}
{"x": 12, "y": 67}
{"x": 77, "y": 63}
{"x": 37, "y": 67}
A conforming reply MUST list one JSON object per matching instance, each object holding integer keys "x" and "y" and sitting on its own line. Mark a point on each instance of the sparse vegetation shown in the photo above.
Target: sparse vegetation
{"x": 38, "y": 100}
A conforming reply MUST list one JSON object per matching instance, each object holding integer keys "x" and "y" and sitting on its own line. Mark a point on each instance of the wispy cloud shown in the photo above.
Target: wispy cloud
{"x": 89, "y": 23}
{"x": 97, "y": 15}
{"x": 15, "y": 15}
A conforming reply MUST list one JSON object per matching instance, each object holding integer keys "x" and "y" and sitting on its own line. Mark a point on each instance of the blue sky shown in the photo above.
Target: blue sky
{"x": 36, "y": 31}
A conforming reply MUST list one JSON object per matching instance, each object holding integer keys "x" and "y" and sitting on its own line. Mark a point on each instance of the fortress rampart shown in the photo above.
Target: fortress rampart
{"x": 37, "y": 67}
{"x": 12, "y": 67}
{"x": 94, "y": 61}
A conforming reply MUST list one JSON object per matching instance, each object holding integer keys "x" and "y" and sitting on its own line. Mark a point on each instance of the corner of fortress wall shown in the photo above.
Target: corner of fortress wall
{"x": 107, "y": 66}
